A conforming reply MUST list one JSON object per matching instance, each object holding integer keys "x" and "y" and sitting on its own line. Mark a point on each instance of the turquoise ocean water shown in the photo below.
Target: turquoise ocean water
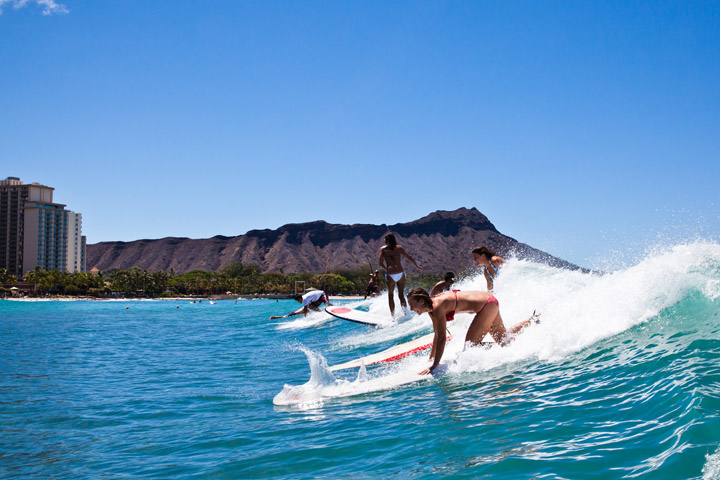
{"x": 620, "y": 380}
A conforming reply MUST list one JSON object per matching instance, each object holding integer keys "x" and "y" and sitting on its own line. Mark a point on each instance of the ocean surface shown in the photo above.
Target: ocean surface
{"x": 621, "y": 379}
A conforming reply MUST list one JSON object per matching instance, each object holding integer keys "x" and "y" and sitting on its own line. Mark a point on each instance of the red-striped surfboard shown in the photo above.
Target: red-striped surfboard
{"x": 391, "y": 354}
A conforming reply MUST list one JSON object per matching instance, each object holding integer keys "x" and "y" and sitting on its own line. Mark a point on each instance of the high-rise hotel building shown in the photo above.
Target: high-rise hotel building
{"x": 35, "y": 232}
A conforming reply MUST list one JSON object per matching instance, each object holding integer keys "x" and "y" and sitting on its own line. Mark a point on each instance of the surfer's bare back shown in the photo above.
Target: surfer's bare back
{"x": 391, "y": 260}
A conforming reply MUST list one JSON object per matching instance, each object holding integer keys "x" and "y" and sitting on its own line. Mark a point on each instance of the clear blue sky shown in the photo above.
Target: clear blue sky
{"x": 581, "y": 128}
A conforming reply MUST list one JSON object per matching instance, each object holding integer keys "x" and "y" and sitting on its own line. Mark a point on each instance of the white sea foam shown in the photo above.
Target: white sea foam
{"x": 580, "y": 309}
{"x": 407, "y": 325}
{"x": 711, "y": 469}
{"x": 313, "y": 319}
{"x": 323, "y": 384}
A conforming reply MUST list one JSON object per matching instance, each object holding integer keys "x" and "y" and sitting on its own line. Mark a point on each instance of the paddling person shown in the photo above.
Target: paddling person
{"x": 373, "y": 287}
{"x": 489, "y": 262}
{"x": 310, "y": 301}
{"x": 390, "y": 259}
{"x": 443, "y": 307}
{"x": 443, "y": 285}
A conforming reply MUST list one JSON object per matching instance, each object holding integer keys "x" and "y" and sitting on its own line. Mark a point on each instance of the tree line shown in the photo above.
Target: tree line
{"x": 236, "y": 278}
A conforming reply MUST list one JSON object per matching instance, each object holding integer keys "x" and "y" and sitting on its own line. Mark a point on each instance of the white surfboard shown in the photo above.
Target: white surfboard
{"x": 400, "y": 351}
{"x": 357, "y": 316}
{"x": 391, "y": 354}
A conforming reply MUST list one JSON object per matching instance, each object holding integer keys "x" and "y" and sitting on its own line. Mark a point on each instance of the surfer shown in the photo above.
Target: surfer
{"x": 310, "y": 301}
{"x": 443, "y": 285}
{"x": 390, "y": 259}
{"x": 443, "y": 307}
{"x": 489, "y": 262}
{"x": 373, "y": 287}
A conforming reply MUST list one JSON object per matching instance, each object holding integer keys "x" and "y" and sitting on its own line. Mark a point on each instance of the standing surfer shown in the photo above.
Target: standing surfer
{"x": 390, "y": 259}
{"x": 489, "y": 262}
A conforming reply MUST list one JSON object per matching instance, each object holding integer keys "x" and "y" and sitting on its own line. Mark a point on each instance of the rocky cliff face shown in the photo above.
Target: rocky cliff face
{"x": 439, "y": 242}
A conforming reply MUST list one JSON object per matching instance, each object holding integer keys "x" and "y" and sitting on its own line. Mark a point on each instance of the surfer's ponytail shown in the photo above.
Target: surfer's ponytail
{"x": 421, "y": 295}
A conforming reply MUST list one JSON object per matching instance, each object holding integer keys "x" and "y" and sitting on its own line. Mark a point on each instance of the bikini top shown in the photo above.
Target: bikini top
{"x": 488, "y": 270}
{"x": 451, "y": 315}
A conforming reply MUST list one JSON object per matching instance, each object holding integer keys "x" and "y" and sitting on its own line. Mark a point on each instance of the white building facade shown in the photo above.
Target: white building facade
{"x": 75, "y": 243}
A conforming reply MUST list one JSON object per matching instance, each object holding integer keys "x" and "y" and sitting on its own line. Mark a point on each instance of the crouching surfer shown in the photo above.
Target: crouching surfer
{"x": 442, "y": 308}
{"x": 310, "y": 301}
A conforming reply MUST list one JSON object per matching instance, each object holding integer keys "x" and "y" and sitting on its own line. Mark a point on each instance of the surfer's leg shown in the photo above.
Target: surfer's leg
{"x": 498, "y": 331}
{"x": 486, "y": 320}
{"x": 401, "y": 291}
{"x": 391, "y": 288}
{"x": 325, "y": 299}
{"x": 513, "y": 331}
{"x": 517, "y": 328}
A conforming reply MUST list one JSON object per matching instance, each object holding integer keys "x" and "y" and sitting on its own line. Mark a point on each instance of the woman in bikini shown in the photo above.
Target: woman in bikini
{"x": 489, "y": 262}
{"x": 390, "y": 256}
{"x": 442, "y": 309}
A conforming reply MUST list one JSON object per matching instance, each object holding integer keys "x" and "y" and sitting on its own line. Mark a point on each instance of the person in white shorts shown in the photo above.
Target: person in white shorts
{"x": 310, "y": 301}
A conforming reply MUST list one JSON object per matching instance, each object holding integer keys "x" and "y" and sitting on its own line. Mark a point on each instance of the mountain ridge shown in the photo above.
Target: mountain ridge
{"x": 439, "y": 242}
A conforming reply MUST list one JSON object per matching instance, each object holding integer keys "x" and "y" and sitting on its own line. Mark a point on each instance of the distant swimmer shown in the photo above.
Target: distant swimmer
{"x": 390, "y": 259}
{"x": 443, "y": 285}
{"x": 443, "y": 308}
{"x": 489, "y": 262}
{"x": 373, "y": 286}
{"x": 310, "y": 301}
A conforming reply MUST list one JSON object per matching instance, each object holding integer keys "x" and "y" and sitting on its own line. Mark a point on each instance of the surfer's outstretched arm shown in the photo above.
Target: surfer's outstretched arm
{"x": 438, "y": 309}
{"x": 302, "y": 311}
{"x": 412, "y": 260}
{"x": 439, "y": 341}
